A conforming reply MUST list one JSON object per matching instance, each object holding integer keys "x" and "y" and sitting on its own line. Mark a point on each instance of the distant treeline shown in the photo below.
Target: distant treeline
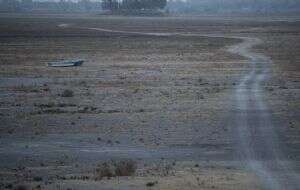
{"x": 133, "y": 5}
{"x": 258, "y": 6}
{"x": 49, "y": 6}
{"x": 142, "y": 6}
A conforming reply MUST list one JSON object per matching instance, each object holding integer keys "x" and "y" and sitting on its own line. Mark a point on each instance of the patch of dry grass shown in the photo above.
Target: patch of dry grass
{"x": 115, "y": 169}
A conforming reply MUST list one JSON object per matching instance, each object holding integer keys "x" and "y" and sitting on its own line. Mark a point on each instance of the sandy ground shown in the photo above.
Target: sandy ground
{"x": 163, "y": 101}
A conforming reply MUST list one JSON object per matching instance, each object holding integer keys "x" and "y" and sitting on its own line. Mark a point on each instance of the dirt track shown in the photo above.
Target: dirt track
{"x": 258, "y": 141}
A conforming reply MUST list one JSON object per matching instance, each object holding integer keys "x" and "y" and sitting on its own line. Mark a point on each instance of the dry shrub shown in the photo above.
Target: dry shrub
{"x": 104, "y": 170}
{"x": 125, "y": 168}
{"x": 22, "y": 187}
{"x": 115, "y": 168}
{"x": 151, "y": 184}
{"x": 67, "y": 93}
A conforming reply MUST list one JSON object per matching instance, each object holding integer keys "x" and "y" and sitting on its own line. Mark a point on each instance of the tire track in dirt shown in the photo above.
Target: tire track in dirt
{"x": 257, "y": 141}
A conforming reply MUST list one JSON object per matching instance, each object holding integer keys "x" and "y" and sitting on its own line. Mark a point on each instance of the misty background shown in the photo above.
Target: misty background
{"x": 171, "y": 6}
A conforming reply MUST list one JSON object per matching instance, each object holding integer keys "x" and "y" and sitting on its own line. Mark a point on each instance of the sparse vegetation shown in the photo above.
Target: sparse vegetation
{"x": 8, "y": 186}
{"x": 67, "y": 93}
{"x": 115, "y": 168}
{"x": 37, "y": 178}
{"x": 51, "y": 111}
{"x": 151, "y": 184}
{"x": 21, "y": 187}
{"x": 52, "y": 104}
{"x": 125, "y": 168}
{"x": 148, "y": 93}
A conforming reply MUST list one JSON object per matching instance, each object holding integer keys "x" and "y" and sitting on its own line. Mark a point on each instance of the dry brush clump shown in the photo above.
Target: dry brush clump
{"x": 67, "y": 93}
{"x": 151, "y": 184}
{"x": 115, "y": 169}
{"x": 21, "y": 187}
{"x": 125, "y": 168}
{"x": 160, "y": 169}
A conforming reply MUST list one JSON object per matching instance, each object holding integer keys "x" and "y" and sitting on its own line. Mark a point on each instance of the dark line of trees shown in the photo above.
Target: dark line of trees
{"x": 133, "y": 5}
{"x": 49, "y": 6}
{"x": 150, "y": 6}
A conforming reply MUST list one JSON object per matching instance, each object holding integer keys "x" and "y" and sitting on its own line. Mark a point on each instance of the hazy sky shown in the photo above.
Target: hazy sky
{"x": 59, "y": 0}
{"x": 75, "y": 0}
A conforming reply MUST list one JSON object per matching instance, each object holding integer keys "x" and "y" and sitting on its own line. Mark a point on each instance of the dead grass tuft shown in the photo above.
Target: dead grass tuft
{"x": 67, "y": 93}
{"x": 115, "y": 168}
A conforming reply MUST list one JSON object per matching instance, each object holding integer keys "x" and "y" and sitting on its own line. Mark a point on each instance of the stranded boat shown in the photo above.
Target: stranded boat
{"x": 66, "y": 63}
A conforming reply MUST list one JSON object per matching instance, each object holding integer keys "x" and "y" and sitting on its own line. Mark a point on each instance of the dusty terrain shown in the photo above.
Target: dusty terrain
{"x": 164, "y": 102}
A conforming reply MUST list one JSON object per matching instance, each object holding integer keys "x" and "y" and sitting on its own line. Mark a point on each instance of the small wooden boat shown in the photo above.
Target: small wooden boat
{"x": 66, "y": 63}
